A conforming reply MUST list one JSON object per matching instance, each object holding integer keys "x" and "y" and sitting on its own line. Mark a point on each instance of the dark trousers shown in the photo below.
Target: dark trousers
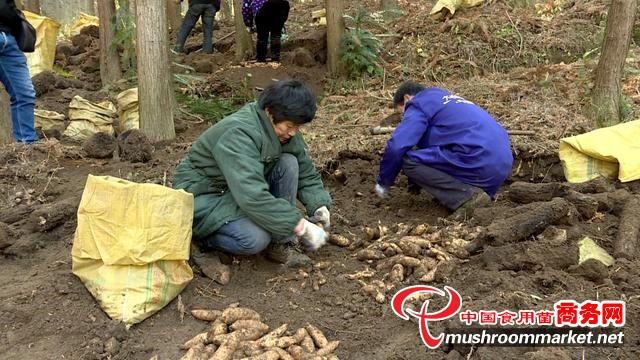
{"x": 208, "y": 13}
{"x": 448, "y": 190}
{"x": 269, "y": 23}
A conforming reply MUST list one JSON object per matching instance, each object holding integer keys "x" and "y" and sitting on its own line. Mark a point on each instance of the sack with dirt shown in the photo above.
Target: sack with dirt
{"x": 87, "y": 118}
{"x": 128, "y": 110}
{"x": 611, "y": 152}
{"x": 131, "y": 246}
{"x": 46, "y": 120}
{"x": 46, "y": 34}
{"x": 83, "y": 21}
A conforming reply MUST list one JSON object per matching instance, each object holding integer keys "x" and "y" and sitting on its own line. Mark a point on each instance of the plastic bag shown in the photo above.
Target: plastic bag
{"x": 83, "y": 20}
{"x": 87, "y": 118}
{"x": 453, "y": 5}
{"x": 46, "y": 34}
{"x": 131, "y": 246}
{"x": 610, "y": 152}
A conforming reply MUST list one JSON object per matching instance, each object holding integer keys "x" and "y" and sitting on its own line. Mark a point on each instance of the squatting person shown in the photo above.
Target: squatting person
{"x": 246, "y": 173}
{"x": 448, "y": 146}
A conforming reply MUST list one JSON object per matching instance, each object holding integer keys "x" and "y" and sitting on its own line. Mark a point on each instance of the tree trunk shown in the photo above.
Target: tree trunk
{"x": 109, "y": 61}
{"x": 32, "y": 5}
{"x": 226, "y": 9}
{"x": 606, "y": 101}
{"x": 5, "y": 117}
{"x": 244, "y": 43}
{"x": 154, "y": 76}
{"x": 335, "y": 28}
{"x": 173, "y": 14}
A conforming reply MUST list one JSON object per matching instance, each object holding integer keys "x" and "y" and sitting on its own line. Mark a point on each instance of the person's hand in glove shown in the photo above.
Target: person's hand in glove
{"x": 322, "y": 216}
{"x": 312, "y": 235}
{"x": 382, "y": 191}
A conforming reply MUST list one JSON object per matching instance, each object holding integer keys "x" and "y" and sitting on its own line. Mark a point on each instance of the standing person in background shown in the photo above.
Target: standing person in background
{"x": 198, "y": 8}
{"x": 269, "y": 17}
{"x": 14, "y": 74}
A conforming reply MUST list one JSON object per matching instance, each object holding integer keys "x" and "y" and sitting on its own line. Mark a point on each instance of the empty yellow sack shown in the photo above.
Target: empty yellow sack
{"x": 453, "y": 5}
{"x": 131, "y": 246}
{"x": 46, "y": 34}
{"x": 128, "y": 110}
{"x": 612, "y": 152}
{"x": 83, "y": 20}
{"x": 87, "y": 118}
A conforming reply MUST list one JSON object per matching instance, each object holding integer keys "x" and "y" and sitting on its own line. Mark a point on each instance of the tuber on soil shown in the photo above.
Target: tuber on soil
{"x": 627, "y": 241}
{"x": 231, "y": 315}
{"x": 316, "y": 334}
{"x": 206, "y": 315}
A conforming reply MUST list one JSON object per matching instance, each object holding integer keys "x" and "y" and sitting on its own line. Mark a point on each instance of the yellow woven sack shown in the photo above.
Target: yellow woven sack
{"x": 612, "y": 152}
{"x": 87, "y": 118}
{"x": 131, "y": 246}
{"x": 453, "y": 5}
{"x": 46, "y": 34}
{"x": 83, "y": 20}
{"x": 49, "y": 120}
{"x": 128, "y": 110}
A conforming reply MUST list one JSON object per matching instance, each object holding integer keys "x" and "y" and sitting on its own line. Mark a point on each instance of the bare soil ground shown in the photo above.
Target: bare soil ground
{"x": 532, "y": 77}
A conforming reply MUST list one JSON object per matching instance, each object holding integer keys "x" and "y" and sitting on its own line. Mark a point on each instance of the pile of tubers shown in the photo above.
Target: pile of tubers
{"x": 239, "y": 333}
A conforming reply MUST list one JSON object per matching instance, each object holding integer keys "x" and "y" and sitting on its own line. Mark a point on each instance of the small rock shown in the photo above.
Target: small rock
{"x": 349, "y": 315}
{"x": 112, "y": 346}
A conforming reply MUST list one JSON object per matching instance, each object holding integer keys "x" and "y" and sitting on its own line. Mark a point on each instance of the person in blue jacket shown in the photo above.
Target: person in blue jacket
{"x": 448, "y": 146}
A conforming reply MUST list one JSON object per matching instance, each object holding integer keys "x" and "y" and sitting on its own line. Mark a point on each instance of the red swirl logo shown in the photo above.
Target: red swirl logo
{"x": 452, "y": 308}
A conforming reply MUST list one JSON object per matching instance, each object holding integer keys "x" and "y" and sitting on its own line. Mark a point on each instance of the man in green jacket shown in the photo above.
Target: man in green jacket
{"x": 246, "y": 173}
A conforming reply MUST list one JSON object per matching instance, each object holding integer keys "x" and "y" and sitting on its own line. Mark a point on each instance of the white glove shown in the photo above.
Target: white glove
{"x": 322, "y": 216}
{"x": 312, "y": 235}
{"x": 382, "y": 191}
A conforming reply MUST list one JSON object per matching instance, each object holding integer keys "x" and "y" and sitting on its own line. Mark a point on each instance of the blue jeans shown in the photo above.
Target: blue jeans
{"x": 14, "y": 74}
{"x": 243, "y": 236}
{"x": 208, "y": 13}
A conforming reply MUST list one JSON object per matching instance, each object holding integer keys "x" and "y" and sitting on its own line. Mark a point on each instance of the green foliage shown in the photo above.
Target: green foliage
{"x": 212, "y": 109}
{"x": 124, "y": 41}
{"x": 360, "y": 48}
{"x": 506, "y": 32}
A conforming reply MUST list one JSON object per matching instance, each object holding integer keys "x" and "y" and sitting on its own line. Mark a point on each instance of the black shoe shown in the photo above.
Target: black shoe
{"x": 465, "y": 211}
{"x": 289, "y": 254}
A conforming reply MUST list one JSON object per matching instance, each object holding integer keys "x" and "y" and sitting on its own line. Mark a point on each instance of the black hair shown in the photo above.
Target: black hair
{"x": 407, "y": 88}
{"x": 289, "y": 100}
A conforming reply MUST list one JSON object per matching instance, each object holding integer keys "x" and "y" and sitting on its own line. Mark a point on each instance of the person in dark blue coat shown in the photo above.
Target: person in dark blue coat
{"x": 448, "y": 146}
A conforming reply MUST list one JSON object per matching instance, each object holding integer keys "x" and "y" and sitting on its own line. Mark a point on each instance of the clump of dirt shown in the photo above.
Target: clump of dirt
{"x": 46, "y": 81}
{"x": 134, "y": 146}
{"x": 203, "y": 63}
{"x": 5, "y": 239}
{"x": 302, "y": 57}
{"x": 100, "y": 145}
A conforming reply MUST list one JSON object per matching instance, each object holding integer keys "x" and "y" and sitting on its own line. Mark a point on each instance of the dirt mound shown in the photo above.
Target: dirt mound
{"x": 46, "y": 81}
{"x": 485, "y": 39}
{"x": 100, "y": 146}
{"x": 134, "y": 146}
